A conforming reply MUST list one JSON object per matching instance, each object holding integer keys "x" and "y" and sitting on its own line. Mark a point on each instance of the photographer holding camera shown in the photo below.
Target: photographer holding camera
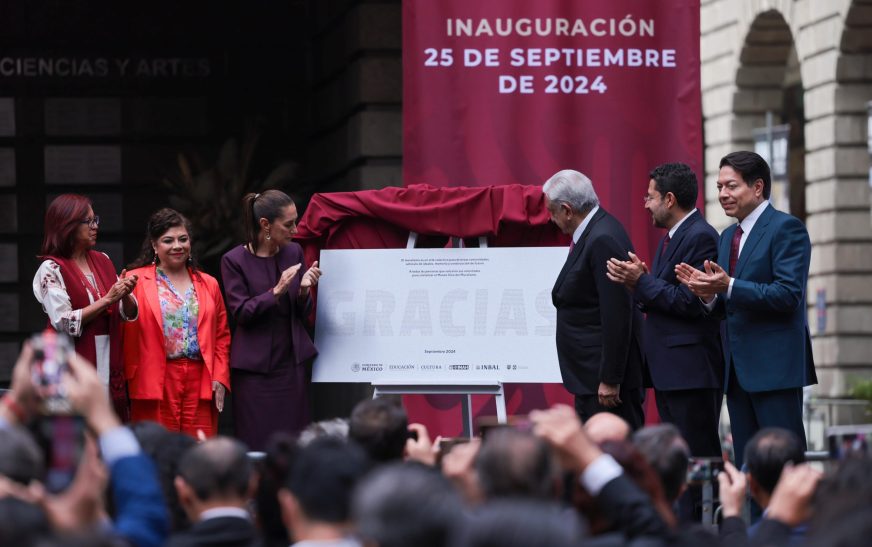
{"x": 140, "y": 514}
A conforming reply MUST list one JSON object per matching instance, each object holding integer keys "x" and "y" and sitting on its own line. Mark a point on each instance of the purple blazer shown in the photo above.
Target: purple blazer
{"x": 270, "y": 332}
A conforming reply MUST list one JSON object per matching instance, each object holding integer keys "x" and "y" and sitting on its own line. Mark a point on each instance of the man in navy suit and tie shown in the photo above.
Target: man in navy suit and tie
{"x": 598, "y": 326}
{"x": 759, "y": 286}
{"x": 681, "y": 341}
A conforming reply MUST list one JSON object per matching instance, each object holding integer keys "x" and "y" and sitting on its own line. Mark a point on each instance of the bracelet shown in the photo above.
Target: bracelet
{"x": 14, "y": 408}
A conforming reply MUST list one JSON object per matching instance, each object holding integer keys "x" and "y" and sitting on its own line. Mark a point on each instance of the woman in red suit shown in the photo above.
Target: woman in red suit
{"x": 176, "y": 353}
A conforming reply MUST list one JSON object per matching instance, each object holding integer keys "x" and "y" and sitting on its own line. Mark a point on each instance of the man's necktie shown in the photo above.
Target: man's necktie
{"x": 734, "y": 248}
{"x": 666, "y": 241}
{"x": 571, "y": 245}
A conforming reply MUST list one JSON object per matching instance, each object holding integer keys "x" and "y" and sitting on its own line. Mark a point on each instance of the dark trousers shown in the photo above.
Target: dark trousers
{"x": 696, "y": 413}
{"x": 630, "y": 408}
{"x": 751, "y": 412}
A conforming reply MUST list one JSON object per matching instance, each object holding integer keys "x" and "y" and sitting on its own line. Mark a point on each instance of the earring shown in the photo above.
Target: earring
{"x": 190, "y": 260}
{"x": 267, "y": 236}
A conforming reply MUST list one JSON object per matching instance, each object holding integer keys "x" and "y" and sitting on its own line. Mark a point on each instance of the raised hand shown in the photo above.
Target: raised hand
{"x": 791, "y": 499}
{"x": 704, "y": 284}
{"x": 120, "y": 289}
{"x": 420, "y": 449}
{"x": 561, "y": 428}
{"x": 310, "y": 278}
{"x": 285, "y": 280}
{"x": 626, "y": 272}
{"x": 733, "y": 485}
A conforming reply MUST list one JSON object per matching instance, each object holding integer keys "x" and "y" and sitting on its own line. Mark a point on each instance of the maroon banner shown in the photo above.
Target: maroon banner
{"x": 511, "y": 91}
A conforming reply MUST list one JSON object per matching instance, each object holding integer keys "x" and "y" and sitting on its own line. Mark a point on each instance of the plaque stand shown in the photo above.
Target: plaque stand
{"x": 466, "y": 389}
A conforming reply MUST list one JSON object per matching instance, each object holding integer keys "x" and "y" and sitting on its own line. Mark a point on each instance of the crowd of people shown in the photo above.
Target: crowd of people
{"x": 154, "y": 360}
{"x": 376, "y": 480}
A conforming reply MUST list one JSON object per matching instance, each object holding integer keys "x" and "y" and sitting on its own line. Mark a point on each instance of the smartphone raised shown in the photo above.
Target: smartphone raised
{"x": 700, "y": 470}
{"x": 51, "y": 355}
{"x": 488, "y": 423}
{"x": 446, "y": 445}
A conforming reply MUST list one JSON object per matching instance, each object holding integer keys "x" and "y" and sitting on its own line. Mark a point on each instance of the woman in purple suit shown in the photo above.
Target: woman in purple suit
{"x": 266, "y": 285}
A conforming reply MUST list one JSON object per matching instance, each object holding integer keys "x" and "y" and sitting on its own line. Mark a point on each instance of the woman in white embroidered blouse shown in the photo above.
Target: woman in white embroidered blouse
{"x": 80, "y": 291}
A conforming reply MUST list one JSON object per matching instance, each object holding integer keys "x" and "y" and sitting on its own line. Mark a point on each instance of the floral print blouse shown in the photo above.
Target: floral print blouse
{"x": 180, "y": 313}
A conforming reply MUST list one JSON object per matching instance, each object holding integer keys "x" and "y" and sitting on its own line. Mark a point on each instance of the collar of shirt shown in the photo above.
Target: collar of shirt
{"x": 580, "y": 230}
{"x": 748, "y": 223}
{"x": 679, "y": 223}
{"x": 342, "y": 542}
{"x": 219, "y": 512}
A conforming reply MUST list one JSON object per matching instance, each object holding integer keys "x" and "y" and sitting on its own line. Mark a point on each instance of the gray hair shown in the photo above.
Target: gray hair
{"x": 573, "y": 188}
{"x": 337, "y": 428}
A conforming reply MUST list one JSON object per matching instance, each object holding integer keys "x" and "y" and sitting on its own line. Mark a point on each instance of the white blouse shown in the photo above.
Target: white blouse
{"x": 50, "y": 291}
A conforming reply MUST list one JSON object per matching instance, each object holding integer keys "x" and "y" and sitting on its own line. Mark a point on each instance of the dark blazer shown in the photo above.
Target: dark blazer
{"x": 255, "y": 309}
{"x": 598, "y": 325}
{"x": 682, "y": 344}
{"x": 221, "y": 531}
{"x": 766, "y": 325}
{"x": 140, "y": 512}
{"x": 635, "y": 520}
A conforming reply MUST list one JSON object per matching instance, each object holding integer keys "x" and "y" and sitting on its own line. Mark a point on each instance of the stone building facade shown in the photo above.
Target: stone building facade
{"x": 810, "y": 63}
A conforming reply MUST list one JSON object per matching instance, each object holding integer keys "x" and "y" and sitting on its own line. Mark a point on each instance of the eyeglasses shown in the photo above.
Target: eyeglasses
{"x": 646, "y": 199}
{"x": 93, "y": 222}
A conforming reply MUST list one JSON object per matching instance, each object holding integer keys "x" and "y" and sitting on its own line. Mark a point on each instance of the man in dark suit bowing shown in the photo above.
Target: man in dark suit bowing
{"x": 758, "y": 284}
{"x": 214, "y": 483}
{"x": 598, "y": 326}
{"x": 681, "y": 342}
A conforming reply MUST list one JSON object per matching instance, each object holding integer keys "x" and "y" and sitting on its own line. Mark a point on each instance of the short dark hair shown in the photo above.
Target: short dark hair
{"x": 845, "y": 490}
{"x": 768, "y": 452}
{"x": 516, "y": 464}
{"x": 679, "y": 179}
{"x": 166, "y": 449}
{"x": 850, "y": 529}
{"x": 521, "y": 523}
{"x": 381, "y": 427}
{"x": 403, "y": 504}
{"x": 23, "y": 523}
{"x": 667, "y": 452}
{"x": 217, "y": 467}
{"x": 751, "y": 166}
{"x": 323, "y": 477}
{"x": 280, "y": 451}
{"x": 21, "y": 459}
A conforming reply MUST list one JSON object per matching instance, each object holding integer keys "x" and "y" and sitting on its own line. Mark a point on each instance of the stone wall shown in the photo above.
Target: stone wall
{"x": 745, "y": 49}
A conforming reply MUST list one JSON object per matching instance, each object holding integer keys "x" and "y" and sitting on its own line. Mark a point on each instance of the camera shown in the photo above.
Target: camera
{"x": 488, "y": 423}
{"x": 701, "y": 470}
{"x": 849, "y": 441}
{"x": 447, "y": 444}
{"x": 51, "y": 360}
{"x": 59, "y": 433}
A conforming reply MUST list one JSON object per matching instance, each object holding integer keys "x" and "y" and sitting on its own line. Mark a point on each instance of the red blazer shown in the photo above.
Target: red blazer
{"x": 144, "y": 345}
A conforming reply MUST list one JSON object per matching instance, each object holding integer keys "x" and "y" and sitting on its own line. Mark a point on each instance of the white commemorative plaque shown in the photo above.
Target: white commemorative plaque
{"x": 437, "y": 316}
